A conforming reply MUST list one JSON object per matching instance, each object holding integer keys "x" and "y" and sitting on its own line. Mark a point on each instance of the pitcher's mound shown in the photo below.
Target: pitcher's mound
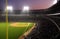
{"x": 20, "y": 24}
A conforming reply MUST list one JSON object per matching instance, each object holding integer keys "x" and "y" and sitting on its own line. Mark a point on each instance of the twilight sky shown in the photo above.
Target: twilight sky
{"x": 33, "y": 4}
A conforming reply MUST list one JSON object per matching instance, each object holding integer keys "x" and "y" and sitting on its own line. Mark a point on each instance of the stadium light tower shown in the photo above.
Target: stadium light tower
{"x": 55, "y": 1}
{"x": 25, "y": 9}
{"x": 9, "y": 8}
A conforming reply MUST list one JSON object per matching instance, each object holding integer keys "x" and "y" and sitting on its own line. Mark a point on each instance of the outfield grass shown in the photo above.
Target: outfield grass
{"x": 16, "y": 32}
{"x": 13, "y": 32}
{"x": 2, "y": 30}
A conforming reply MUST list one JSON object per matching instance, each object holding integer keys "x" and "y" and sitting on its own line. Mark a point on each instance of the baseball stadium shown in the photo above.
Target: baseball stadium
{"x": 22, "y": 18}
{"x": 18, "y": 24}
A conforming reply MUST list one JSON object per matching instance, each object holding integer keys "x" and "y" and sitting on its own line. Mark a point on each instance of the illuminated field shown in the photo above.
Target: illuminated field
{"x": 20, "y": 24}
{"x": 16, "y": 29}
{"x": 2, "y": 30}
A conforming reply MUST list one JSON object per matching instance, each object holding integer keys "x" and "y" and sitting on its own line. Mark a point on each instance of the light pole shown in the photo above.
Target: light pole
{"x": 9, "y": 8}
{"x": 25, "y": 9}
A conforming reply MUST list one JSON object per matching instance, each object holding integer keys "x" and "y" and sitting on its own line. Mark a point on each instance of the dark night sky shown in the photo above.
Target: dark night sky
{"x": 33, "y": 4}
{"x": 2, "y": 4}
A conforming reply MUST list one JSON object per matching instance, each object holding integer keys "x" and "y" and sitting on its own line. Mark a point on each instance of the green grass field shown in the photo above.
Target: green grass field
{"x": 2, "y": 30}
{"x": 13, "y": 32}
